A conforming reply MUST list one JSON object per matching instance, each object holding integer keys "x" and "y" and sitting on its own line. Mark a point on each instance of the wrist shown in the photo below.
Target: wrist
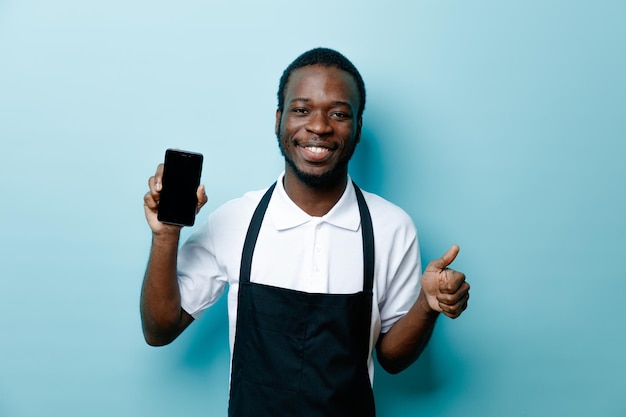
{"x": 424, "y": 306}
{"x": 166, "y": 237}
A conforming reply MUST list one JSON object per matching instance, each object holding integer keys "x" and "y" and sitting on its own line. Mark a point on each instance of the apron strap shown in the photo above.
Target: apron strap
{"x": 367, "y": 231}
{"x": 251, "y": 236}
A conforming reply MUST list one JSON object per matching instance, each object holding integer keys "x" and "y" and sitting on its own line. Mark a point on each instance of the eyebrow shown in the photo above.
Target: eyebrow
{"x": 308, "y": 100}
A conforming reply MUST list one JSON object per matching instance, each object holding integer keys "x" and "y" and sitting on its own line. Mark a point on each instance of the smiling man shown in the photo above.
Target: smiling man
{"x": 319, "y": 272}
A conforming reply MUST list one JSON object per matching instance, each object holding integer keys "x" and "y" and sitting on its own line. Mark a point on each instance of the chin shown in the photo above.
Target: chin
{"x": 322, "y": 179}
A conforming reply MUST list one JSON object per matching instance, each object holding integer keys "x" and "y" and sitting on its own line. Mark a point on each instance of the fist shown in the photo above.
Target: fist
{"x": 446, "y": 290}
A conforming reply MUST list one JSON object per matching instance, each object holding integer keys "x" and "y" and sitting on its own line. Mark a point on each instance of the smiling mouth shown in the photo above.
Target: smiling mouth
{"x": 316, "y": 149}
{"x": 315, "y": 154}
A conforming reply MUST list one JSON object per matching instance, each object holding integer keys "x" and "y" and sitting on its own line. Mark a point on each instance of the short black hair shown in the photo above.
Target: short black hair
{"x": 328, "y": 58}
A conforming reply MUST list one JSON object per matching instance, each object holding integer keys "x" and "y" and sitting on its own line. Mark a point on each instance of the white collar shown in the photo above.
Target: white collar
{"x": 285, "y": 214}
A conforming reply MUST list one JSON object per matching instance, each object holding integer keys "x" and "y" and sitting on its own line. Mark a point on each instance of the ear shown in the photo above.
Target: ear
{"x": 277, "y": 125}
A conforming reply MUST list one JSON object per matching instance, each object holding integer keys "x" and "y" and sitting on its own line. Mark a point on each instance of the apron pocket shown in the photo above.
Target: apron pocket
{"x": 274, "y": 351}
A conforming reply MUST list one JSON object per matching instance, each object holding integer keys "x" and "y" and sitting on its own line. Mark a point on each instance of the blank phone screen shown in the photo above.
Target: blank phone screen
{"x": 181, "y": 178}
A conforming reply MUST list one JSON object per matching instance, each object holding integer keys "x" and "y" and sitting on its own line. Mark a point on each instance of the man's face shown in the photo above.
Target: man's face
{"x": 318, "y": 128}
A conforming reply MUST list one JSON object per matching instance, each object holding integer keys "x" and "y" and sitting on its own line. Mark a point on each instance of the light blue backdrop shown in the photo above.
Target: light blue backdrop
{"x": 499, "y": 126}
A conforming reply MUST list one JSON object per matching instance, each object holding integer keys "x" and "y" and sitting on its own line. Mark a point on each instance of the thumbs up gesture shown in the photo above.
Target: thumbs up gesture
{"x": 446, "y": 289}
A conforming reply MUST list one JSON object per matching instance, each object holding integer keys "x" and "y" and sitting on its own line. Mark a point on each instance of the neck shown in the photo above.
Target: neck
{"x": 315, "y": 200}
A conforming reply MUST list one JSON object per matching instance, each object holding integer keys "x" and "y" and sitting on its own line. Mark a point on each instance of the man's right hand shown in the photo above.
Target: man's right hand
{"x": 162, "y": 317}
{"x": 151, "y": 204}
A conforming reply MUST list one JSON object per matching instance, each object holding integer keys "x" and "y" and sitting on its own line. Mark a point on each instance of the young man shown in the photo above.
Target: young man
{"x": 319, "y": 272}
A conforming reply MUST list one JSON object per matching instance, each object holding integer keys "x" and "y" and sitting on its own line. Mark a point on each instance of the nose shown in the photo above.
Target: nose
{"x": 318, "y": 124}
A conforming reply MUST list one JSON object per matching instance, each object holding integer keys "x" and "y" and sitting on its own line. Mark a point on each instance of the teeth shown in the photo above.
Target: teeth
{"x": 316, "y": 149}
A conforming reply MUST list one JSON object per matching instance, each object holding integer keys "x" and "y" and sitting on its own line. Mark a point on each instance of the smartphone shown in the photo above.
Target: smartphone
{"x": 181, "y": 178}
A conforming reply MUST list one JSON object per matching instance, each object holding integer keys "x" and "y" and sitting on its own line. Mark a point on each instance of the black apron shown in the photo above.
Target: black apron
{"x": 300, "y": 354}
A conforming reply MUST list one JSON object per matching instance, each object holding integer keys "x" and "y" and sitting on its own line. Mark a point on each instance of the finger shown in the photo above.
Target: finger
{"x": 454, "y": 311}
{"x": 454, "y": 297}
{"x": 152, "y": 185}
{"x": 450, "y": 281}
{"x": 150, "y": 202}
{"x": 202, "y": 198}
{"x": 158, "y": 177}
{"x": 155, "y": 182}
{"x": 446, "y": 259}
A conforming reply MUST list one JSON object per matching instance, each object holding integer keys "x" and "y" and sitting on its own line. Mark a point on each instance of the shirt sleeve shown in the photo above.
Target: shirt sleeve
{"x": 400, "y": 268}
{"x": 201, "y": 280}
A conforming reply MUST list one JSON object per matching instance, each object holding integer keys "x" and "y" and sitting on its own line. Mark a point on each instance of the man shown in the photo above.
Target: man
{"x": 319, "y": 272}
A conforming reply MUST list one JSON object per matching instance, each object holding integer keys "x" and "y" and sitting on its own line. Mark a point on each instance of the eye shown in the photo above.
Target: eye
{"x": 341, "y": 115}
{"x": 299, "y": 110}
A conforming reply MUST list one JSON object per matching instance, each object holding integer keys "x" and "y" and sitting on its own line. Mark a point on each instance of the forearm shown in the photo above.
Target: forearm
{"x": 160, "y": 305}
{"x": 405, "y": 341}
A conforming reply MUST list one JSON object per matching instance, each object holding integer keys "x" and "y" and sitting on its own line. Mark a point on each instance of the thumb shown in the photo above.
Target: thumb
{"x": 446, "y": 259}
{"x": 201, "y": 196}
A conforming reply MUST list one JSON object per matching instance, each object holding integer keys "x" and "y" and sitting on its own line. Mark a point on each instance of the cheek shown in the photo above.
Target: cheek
{"x": 287, "y": 130}
{"x": 350, "y": 136}
{"x": 283, "y": 140}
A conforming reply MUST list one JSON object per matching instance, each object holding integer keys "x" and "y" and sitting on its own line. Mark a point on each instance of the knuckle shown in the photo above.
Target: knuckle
{"x": 150, "y": 201}
{"x": 446, "y": 299}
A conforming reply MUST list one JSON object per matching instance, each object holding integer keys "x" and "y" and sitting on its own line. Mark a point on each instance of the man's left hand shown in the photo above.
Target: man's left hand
{"x": 446, "y": 289}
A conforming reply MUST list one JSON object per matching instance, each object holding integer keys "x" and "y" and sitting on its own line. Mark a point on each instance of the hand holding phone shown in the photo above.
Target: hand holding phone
{"x": 178, "y": 201}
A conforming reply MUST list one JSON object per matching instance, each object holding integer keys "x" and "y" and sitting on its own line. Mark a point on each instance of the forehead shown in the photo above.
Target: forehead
{"x": 322, "y": 82}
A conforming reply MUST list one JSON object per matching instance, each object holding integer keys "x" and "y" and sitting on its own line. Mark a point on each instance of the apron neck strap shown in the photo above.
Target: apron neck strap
{"x": 251, "y": 236}
{"x": 367, "y": 232}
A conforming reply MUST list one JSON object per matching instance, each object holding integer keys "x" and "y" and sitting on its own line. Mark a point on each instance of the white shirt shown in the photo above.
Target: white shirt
{"x": 300, "y": 252}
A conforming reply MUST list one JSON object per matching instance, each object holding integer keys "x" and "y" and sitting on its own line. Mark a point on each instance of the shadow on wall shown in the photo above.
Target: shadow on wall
{"x": 366, "y": 165}
{"x": 420, "y": 380}
{"x": 208, "y": 341}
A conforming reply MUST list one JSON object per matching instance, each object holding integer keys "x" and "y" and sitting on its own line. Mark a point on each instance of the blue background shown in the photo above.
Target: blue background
{"x": 499, "y": 126}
